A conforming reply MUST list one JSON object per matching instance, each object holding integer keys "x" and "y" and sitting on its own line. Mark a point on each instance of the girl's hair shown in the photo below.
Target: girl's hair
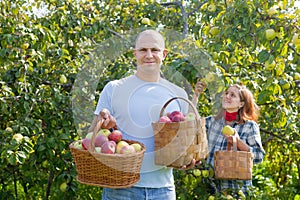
{"x": 250, "y": 111}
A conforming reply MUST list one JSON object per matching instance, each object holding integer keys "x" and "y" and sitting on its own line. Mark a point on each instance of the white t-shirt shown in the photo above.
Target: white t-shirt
{"x": 135, "y": 104}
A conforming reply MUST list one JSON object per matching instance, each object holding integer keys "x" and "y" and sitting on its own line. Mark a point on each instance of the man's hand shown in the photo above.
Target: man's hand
{"x": 191, "y": 165}
{"x": 108, "y": 120}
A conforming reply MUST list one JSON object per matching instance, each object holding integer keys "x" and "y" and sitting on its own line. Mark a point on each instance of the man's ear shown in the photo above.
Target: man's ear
{"x": 165, "y": 52}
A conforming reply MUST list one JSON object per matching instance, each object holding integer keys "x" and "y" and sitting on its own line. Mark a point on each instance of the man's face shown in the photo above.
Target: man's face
{"x": 149, "y": 53}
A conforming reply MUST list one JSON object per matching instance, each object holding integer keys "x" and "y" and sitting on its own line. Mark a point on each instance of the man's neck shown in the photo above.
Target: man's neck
{"x": 148, "y": 77}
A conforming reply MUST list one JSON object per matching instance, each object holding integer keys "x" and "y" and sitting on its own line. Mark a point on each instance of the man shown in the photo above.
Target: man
{"x": 132, "y": 103}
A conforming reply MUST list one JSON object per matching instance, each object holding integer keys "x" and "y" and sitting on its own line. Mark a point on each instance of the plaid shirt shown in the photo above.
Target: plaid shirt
{"x": 248, "y": 132}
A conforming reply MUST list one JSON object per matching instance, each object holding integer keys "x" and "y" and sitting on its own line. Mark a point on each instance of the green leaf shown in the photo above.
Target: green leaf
{"x": 263, "y": 56}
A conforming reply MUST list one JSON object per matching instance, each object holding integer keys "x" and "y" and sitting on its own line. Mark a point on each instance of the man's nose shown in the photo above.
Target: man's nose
{"x": 149, "y": 53}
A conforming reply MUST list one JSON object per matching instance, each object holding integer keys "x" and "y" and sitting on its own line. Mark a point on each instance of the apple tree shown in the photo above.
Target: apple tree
{"x": 45, "y": 44}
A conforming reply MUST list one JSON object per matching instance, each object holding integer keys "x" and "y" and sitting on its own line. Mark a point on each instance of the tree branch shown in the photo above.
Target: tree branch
{"x": 197, "y": 8}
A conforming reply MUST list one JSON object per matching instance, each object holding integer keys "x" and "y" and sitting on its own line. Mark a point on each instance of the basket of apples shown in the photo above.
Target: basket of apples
{"x": 179, "y": 137}
{"x": 103, "y": 158}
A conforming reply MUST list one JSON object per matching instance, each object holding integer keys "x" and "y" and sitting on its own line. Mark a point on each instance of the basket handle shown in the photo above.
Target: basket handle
{"x": 174, "y": 98}
{"x": 95, "y": 131}
{"x": 234, "y": 144}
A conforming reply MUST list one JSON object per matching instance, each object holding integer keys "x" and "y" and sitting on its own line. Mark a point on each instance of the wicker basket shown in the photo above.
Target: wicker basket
{"x": 107, "y": 170}
{"x": 177, "y": 143}
{"x": 233, "y": 164}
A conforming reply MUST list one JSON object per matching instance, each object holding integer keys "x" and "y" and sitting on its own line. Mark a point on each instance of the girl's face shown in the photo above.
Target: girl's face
{"x": 231, "y": 100}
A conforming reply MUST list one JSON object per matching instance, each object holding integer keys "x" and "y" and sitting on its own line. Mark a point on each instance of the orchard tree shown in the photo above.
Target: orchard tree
{"x": 46, "y": 44}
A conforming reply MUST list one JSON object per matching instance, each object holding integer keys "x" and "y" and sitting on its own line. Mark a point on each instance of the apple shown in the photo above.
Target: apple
{"x": 63, "y": 79}
{"x": 273, "y": 10}
{"x": 98, "y": 149}
{"x": 63, "y": 187}
{"x": 116, "y": 136}
{"x": 211, "y": 197}
{"x": 197, "y": 172}
{"x": 18, "y": 137}
{"x": 228, "y": 130}
{"x": 296, "y": 76}
{"x": 190, "y": 116}
{"x": 120, "y": 145}
{"x": 108, "y": 147}
{"x": 214, "y": 31}
{"x": 118, "y": 7}
{"x": 89, "y": 135}
{"x": 164, "y": 119}
{"x": 45, "y": 163}
{"x": 78, "y": 144}
{"x": 100, "y": 139}
{"x": 127, "y": 149}
{"x": 270, "y": 66}
{"x": 137, "y": 147}
{"x": 104, "y": 131}
{"x": 286, "y": 85}
{"x": 209, "y": 77}
{"x": 296, "y": 39}
{"x": 205, "y": 173}
{"x": 176, "y": 116}
{"x": 211, "y": 8}
{"x": 86, "y": 143}
{"x": 146, "y": 21}
{"x": 270, "y": 34}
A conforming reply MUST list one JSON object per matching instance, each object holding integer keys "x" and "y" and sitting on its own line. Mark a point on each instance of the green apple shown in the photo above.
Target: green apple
{"x": 211, "y": 197}
{"x": 209, "y": 77}
{"x": 197, "y": 172}
{"x": 105, "y": 132}
{"x": 18, "y": 137}
{"x": 205, "y": 173}
{"x": 190, "y": 116}
{"x": 63, "y": 187}
{"x": 270, "y": 66}
{"x": 120, "y": 145}
{"x": 63, "y": 79}
{"x": 296, "y": 76}
{"x": 45, "y": 164}
{"x": 211, "y": 8}
{"x": 137, "y": 147}
{"x": 89, "y": 135}
{"x": 272, "y": 11}
{"x": 78, "y": 144}
{"x": 270, "y": 34}
{"x": 296, "y": 39}
{"x": 214, "y": 31}
{"x": 118, "y": 7}
{"x": 286, "y": 85}
{"x": 228, "y": 130}
{"x": 98, "y": 149}
{"x": 146, "y": 21}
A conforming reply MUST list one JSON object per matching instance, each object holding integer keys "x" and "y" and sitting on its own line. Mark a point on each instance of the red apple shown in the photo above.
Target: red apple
{"x": 128, "y": 149}
{"x": 176, "y": 116}
{"x": 100, "y": 139}
{"x": 172, "y": 114}
{"x": 116, "y": 136}
{"x": 86, "y": 143}
{"x": 108, "y": 147}
{"x": 164, "y": 119}
{"x": 120, "y": 145}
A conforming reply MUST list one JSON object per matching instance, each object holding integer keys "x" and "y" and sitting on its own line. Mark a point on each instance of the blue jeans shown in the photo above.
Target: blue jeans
{"x": 139, "y": 193}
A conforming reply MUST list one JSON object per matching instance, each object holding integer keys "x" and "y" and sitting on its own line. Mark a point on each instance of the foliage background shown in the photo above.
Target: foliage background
{"x": 44, "y": 44}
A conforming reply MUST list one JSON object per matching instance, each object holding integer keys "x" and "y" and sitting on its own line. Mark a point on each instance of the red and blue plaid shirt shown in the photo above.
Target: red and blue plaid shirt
{"x": 248, "y": 132}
